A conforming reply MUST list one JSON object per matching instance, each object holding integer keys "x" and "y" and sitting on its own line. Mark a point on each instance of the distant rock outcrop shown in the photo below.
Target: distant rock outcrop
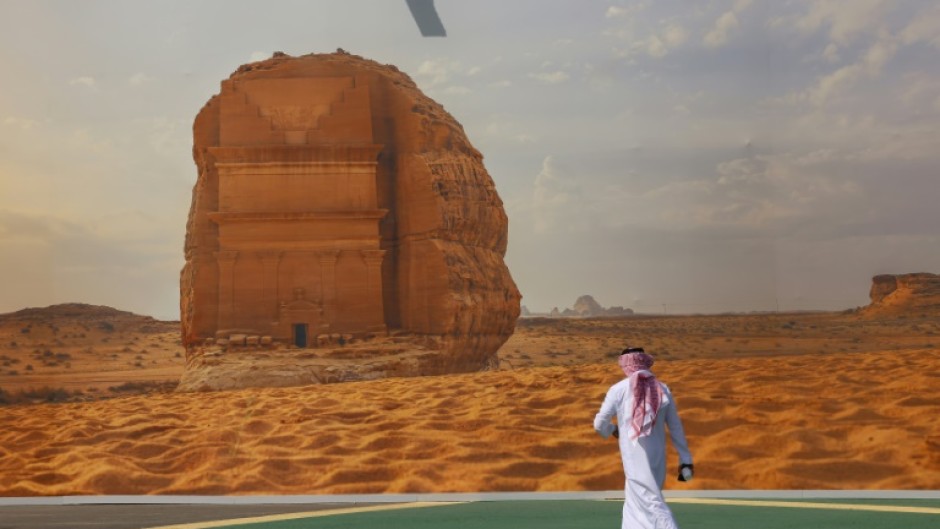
{"x": 99, "y": 316}
{"x": 584, "y": 307}
{"x": 587, "y": 306}
{"x": 917, "y": 293}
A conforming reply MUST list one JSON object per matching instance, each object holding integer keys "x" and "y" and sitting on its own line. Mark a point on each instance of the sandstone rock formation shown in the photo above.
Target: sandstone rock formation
{"x": 587, "y": 307}
{"x": 340, "y": 212}
{"x": 98, "y": 317}
{"x": 916, "y": 294}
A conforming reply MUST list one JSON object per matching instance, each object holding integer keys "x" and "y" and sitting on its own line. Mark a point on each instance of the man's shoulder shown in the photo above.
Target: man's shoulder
{"x": 620, "y": 386}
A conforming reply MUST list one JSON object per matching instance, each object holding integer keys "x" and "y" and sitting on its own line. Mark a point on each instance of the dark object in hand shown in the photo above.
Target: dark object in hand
{"x": 691, "y": 471}
{"x": 616, "y": 432}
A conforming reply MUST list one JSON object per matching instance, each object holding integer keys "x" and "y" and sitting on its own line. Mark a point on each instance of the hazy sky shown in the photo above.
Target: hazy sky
{"x": 663, "y": 155}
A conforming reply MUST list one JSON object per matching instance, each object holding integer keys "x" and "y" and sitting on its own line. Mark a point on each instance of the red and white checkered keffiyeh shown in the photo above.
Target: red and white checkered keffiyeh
{"x": 647, "y": 393}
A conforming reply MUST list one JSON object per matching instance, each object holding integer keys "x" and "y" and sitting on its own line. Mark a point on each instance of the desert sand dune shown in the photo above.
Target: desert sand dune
{"x": 855, "y": 420}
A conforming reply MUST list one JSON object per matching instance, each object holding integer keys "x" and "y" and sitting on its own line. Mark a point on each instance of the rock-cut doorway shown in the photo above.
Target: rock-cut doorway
{"x": 300, "y": 335}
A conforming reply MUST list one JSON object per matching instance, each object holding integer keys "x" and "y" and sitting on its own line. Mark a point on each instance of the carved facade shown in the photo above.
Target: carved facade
{"x": 335, "y": 199}
{"x": 297, "y": 217}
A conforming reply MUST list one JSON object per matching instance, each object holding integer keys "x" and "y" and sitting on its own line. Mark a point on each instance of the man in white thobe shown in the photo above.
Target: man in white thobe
{"x": 643, "y": 407}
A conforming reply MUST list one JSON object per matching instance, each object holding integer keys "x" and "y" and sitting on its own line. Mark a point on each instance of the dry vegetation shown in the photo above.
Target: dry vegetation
{"x": 769, "y": 401}
{"x": 81, "y": 352}
{"x": 545, "y": 342}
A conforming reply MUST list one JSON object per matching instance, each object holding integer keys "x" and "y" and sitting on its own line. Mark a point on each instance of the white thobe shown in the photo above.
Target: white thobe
{"x": 644, "y": 459}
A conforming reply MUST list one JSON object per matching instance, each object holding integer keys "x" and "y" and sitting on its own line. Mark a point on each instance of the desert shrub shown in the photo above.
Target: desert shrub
{"x": 144, "y": 386}
{"x": 36, "y": 395}
{"x": 106, "y": 326}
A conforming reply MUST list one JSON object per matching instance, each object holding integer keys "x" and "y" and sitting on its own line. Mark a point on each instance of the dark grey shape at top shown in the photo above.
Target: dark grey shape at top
{"x": 426, "y": 16}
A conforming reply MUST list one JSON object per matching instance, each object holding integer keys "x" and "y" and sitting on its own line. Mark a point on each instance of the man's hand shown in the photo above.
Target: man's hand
{"x": 686, "y": 471}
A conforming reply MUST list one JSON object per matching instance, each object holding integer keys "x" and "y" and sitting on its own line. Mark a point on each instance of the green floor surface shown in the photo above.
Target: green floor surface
{"x": 606, "y": 514}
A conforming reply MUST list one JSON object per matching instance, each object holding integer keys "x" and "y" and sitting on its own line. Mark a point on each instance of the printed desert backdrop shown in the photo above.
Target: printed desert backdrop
{"x": 798, "y": 400}
{"x": 750, "y": 185}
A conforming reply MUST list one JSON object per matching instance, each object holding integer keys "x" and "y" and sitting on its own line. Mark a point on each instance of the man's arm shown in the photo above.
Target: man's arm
{"x": 603, "y": 420}
{"x": 677, "y": 433}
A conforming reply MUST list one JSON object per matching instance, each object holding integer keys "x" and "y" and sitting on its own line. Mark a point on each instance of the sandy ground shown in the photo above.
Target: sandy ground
{"x": 768, "y": 401}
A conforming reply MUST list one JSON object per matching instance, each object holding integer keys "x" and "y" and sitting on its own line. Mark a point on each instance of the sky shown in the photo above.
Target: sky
{"x": 666, "y": 156}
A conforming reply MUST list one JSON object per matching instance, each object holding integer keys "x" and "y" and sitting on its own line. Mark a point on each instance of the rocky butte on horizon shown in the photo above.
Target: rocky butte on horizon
{"x": 342, "y": 228}
{"x": 903, "y": 293}
{"x": 584, "y": 307}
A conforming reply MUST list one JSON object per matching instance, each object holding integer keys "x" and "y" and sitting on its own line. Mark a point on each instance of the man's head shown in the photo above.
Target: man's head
{"x": 633, "y": 359}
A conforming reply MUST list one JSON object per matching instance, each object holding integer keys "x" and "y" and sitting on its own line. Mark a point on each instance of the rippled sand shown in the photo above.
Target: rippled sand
{"x": 851, "y": 420}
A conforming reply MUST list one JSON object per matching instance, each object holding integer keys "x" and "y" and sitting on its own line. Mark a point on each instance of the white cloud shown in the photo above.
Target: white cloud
{"x": 657, "y": 44}
{"x": 443, "y": 75}
{"x": 501, "y": 84}
{"x": 718, "y": 35}
{"x": 623, "y": 12}
{"x": 138, "y": 79}
{"x": 554, "y": 197}
{"x": 655, "y": 47}
{"x": 924, "y": 27}
{"x": 436, "y": 71}
{"x": 845, "y": 19}
{"x": 615, "y": 11}
{"x": 503, "y": 129}
{"x": 21, "y": 123}
{"x": 86, "y": 81}
{"x": 674, "y": 36}
{"x": 833, "y": 85}
{"x": 831, "y": 53}
{"x": 555, "y": 77}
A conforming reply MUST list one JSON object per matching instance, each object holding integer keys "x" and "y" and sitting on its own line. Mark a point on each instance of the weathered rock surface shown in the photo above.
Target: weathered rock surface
{"x": 917, "y": 293}
{"x": 337, "y": 205}
{"x": 586, "y": 307}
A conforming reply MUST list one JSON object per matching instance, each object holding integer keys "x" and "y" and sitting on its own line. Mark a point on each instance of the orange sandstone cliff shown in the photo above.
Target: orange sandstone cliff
{"x": 904, "y": 293}
{"x": 342, "y": 228}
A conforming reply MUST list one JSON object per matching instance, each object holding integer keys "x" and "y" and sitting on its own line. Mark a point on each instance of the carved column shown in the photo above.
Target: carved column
{"x": 373, "y": 260}
{"x": 226, "y": 260}
{"x": 269, "y": 266}
{"x": 328, "y": 283}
